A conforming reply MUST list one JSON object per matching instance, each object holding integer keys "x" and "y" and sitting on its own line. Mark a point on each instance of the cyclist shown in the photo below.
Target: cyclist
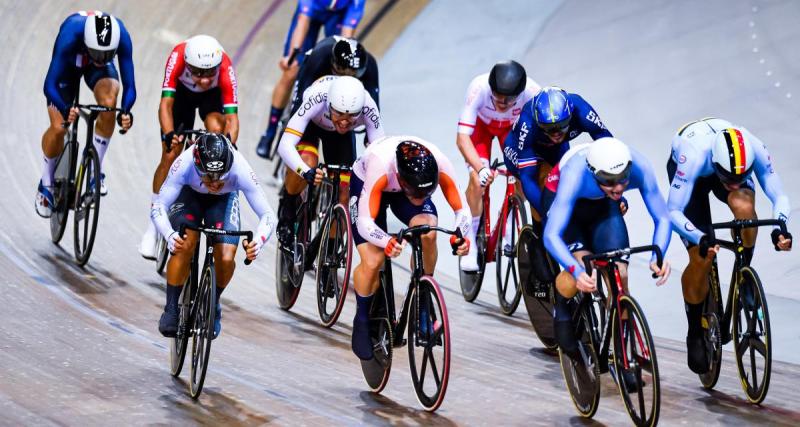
{"x": 86, "y": 45}
{"x": 494, "y": 101}
{"x": 338, "y": 18}
{"x": 541, "y": 137}
{"x": 203, "y": 186}
{"x": 332, "y": 107}
{"x": 199, "y": 76}
{"x": 712, "y": 155}
{"x": 581, "y": 198}
{"x": 400, "y": 172}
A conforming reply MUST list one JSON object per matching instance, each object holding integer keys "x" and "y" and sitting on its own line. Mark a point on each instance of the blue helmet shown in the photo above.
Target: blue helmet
{"x": 552, "y": 110}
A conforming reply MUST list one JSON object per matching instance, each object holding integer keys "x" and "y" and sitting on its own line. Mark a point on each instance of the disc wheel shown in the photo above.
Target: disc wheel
{"x": 538, "y": 296}
{"x": 509, "y": 291}
{"x": 376, "y": 370}
{"x": 429, "y": 344}
{"x": 582, "y": 373}
{"x": 87, "y": 206}
{"x": 471, "y": 281}
{"x": 333, "y": 266}
{"x": 751, "y": 335}
{"x": 202, "y": 330}
{"x": 635, "y": 363}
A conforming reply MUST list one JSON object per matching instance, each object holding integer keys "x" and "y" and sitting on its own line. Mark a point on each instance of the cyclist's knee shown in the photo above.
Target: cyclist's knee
{"x": 566, "y": 285}
{"x": 214, "y": 122}
{"x": 742, "y": 203}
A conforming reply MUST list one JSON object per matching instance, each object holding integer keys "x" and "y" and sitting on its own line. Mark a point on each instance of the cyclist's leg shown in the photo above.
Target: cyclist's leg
{"x": 609, "y": 232}
{"x": 53, "y": 144}
{"x": 211, "y": 112}
{"x": 104, "y": 82}
{"x": 742, "y": 202}
{"x": 412, "y": 215}
{"x": 223, "y": 212}
{"x": 482, "y": 141}
{"x": 294, "y": 184}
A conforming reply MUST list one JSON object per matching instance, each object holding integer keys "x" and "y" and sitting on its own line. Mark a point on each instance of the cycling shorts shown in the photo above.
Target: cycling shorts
{"x": 337, "y": 149}
{"x": 211, "y": 210}
{"x": 483, "y": 135}
{"x": 330, "y": 20}
{"x": 68, "y": 83}
{"x": 187, "y": 102}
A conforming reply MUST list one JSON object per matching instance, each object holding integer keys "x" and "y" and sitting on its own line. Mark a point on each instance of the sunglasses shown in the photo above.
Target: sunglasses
{"x": 612, "y": 180}
{"x": 342, "y": 116}
{"x": 202, "y": 72}
{"x": 555, "y": 128}
{"x": 504, "y": 100}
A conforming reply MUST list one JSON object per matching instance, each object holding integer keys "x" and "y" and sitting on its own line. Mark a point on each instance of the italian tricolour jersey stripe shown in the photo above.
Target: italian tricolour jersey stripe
{"x": 736, "y": 147}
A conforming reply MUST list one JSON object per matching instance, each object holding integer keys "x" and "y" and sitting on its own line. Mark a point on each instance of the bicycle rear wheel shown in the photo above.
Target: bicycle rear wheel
{"x": 429, "y": 344}
{"x": 471, "y": 282}
{"x": 538, "y": 296}
{"x": 509, "y": 291}
{"x": 162, "y": 255}
{"x": 635, "y": 363}
{"x": 87, "y": 205}
{"x": 752, "y": 335}
{"x": 203, "y": 329}
{"x": 712, "y": 332}
{"x": 61, "y": 193}
{"x": 177, "y": 349}
{"x": 333, "y": 265}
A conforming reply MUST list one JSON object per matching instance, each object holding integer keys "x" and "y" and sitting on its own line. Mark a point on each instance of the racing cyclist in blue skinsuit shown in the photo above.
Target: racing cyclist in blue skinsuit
{"x": 581, "y": 199}
{"x": 712, "y": 155}
{"x": 86, "y": 45}
{"x": 541, "y": 136}
{"x": 338, "y": 17}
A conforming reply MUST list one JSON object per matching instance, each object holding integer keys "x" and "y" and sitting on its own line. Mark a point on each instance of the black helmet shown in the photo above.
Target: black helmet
{"x": 417, "y": 170}
{"x": 508, "y": 78}
{"x": 348, "y": 57}
{"x": 213, "y": 155}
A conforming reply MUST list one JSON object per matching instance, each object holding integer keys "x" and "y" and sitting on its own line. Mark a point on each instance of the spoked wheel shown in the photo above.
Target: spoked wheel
{"x": 62, "y": 196}
{"x": 333, "y": 266}
{"x": 87, "y": 205}
{"x": 162, "y": 255}
{"x": 711, "y": 330}
{"x": 429, "y": 344}
{"x": 177, "y": 350}
{"x": 203, "y": 330}
{"x": 635, "y": 364}
{"x": 509, "y": 291}
{"x": 751, "y": 335}
{"x": 471, "y": 281}
{"x": 538, "y": 296}
{"x": 582, "y": 374}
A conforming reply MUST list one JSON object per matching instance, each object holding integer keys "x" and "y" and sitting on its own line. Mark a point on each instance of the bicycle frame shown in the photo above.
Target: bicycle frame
{"x": 501, "y": 220}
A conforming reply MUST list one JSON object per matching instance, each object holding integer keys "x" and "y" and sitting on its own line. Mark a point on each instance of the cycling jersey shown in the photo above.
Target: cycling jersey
{"x": 691, "y": 151}
{"x": 225, "y": 78}
{"x": 316, "y": 109}
{"x": 240, "y": 178}
{"x": 527, "y": 145}
{"x": 377, "y": 168}
{"x": 329, "y": 14}
{"x": 572, "y": 180}
{"x": 479, "y": 105}
{"x": 318, "y": 63}
{"x": 70, "y": 61}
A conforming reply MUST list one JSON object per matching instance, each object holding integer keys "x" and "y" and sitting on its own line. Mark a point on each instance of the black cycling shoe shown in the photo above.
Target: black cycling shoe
{"x": 217, "y": 321}
{"x": 285, "y": 237}
{"x": 629, "y": 380}
{"x": 168, "y": 324}
{"x": 361, "y": 342}
{"x": 696, "y": 354}
{"x": 264, "y": 145}
{"x": 565, "y": 337}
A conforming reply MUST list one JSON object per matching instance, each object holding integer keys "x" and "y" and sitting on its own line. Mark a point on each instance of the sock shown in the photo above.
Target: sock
{"x": 274, "y": 115}
{"x": 693, "y": 314}
{"x": 287, "y": 208}
{"x": 173, "y": 294}
{"x": 747, "y": 255}
{"x": 362, "y": 307}
{"x": 563, "y": 312}
{"x": 48, "y": 171}
{"x": 219, "y": 293}
{"x": 101, "y": 145}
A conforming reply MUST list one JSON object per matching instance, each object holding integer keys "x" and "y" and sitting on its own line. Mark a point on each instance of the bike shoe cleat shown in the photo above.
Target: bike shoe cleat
{"x": 361, "y": 341}
{"x": 44, "y": 201}
{"x": 696, "y": 354}
{"x": 168, "y": 324}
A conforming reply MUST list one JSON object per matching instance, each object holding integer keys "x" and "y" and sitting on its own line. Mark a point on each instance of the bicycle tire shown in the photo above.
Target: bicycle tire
{"x": 177, "y": 349}
{"x": 376, "y": 371}
{"x": 643, "y": 362}
{"x": 752, "y": 340}
{"x": 61, "y": 193}
{"x": 162, "y": 255}
{"x": 330, "y": 262}
{"x": 429, "y": 331}
{"x": 284, "y": 287}
{"x": 204, "y": 313}
{"x": 87, "y": 205}
{"x": 518, "y": 219}
{"x": 582, "y": 376}
{"x": 712, "y": 331}
{"x": 539, "y": 307}
{"x": 471, "y": 282}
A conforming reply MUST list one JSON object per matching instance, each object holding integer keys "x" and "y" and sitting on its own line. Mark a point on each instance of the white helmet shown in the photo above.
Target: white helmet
{"x": 732, "y": 156}
{"x": 346, "y": 95}
{"x": 202, "y": 52}
{"x": 609, "y": 159}
{"x": 101, "y": 37}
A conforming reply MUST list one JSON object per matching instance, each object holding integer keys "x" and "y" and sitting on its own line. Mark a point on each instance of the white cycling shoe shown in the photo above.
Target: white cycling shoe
{"x": 147, "y": 247}
{"x": 469, "y": 262}
{"x": 44, "y": 201}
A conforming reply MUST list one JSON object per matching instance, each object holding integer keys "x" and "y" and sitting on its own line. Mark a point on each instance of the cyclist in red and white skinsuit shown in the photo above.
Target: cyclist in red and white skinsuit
{"x": 494, "y": 102}
{"x": 199, "y": 76}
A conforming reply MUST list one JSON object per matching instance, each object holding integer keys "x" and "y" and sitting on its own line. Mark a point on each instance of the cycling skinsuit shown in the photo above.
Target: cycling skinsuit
{"x": 330, "y": 14}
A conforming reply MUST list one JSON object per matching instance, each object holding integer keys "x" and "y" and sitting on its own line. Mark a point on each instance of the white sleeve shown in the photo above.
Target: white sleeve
{"x": 469, "y": 114}
{"x": 375, "y": 182}
{"x": 169, "y": 192}
{"x": 294, "y": 131}
{"x": 248, "y": 184}
{"x": 372, "y": 120}
{"x": 454, "y": 196}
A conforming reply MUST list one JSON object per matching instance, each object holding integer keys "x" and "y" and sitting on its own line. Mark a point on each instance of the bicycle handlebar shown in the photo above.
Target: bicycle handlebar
{"x": 337, "y": 168}
{"x": 496, "y": 165}
{"x": 413, "y": 232}
{"x": 94, "y": 108}
{"x": 611, "y": 255}
{"x": 748, "y": 223}
{"x": 248, "y": 235}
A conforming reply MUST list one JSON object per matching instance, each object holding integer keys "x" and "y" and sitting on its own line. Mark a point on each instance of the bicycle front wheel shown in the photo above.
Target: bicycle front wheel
{"x": 162, "y": 255}
{"x": 582, "y": 373}
{"x": 61, "y": 193}
{"x": 87, "y": 205}
{"x": 635, "y": 364}
{"x": 333, "y": 266}
{"x": 751, "y": 335}
{"x": 177, "y": 351}
{"x": 285, "y": 288}
{"x": 509, "y": 291}
{"x": 429, "y": 344}
{"x": 712, "y": 331}
{"x": 471, "y": 281}
{"x": 203, "y": 329}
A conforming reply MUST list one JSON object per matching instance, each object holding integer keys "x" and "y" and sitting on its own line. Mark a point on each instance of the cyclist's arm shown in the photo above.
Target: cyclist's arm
{"x": 173, "y": 68}
{"x": 654, "y": 202}
{"x": 372, "y": 120}
{"x": 558, "y": 218}
{"x": 588, "y": 118}
{"x": 455, "y": 197}
{"x": 518, "y": 150}
{"x": 292, "y": 134}
{"x": 64, "y": 44}
{"x": 169, "y": 192}
{"x": 466, "y": 126}
{"x": 769, "y": 180}
{"x": 165, "y": 114}
{"x": 230, "y": 97}
{"x": 125, "y": 58}
{"x": 353, "y": 16}
{"x": 370, "y": 79}
{"x": 680, "y": 191}
{"x": 300, "y": 32}
{"x": 248, "y": 184}
{"x": 369, "y": 206}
